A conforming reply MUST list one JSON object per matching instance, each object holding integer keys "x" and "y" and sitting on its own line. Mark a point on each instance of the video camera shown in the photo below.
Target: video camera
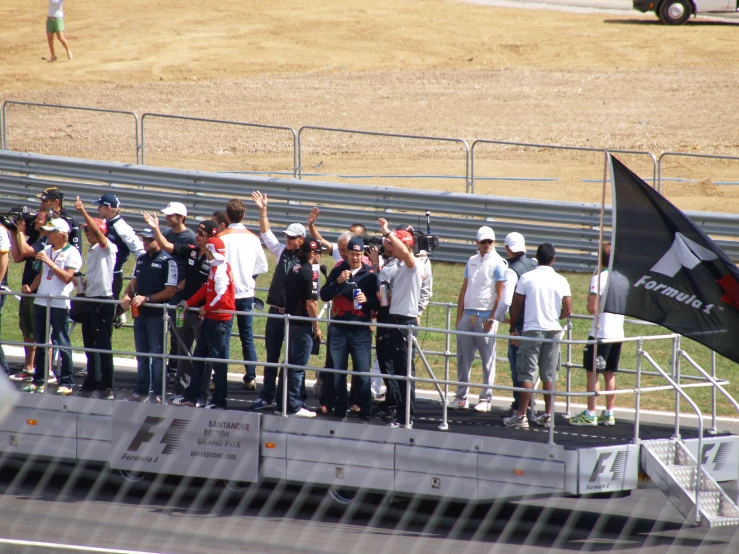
{"x": 421, "y": 241}
{"x": 16, "y": 213}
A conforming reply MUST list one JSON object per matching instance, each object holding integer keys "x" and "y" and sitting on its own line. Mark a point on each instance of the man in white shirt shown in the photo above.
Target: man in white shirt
{"x": 608, "y": 355}
{"x": 97, "y": 323}
{"x": 245, "y": 255}
{"x": 60, "y": 260}
{"x": 547, "y": 299}
{"x": 406, "y": 287}
{"x": 482, "y": 289}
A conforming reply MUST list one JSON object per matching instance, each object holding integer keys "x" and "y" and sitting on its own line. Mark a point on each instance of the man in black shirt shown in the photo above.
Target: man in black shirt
{"x": 195, "y": 275}
{"x": 301, "y": 287}
{"x": 176, "y": 214}
{"x": 52, "y": 201}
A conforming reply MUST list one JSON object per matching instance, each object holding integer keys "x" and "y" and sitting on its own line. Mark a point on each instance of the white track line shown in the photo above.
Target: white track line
{"x": 78, "y": 548}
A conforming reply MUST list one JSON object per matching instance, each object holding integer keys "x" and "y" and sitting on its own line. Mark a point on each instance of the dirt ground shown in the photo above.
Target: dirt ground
{"x": 430, "y": 67}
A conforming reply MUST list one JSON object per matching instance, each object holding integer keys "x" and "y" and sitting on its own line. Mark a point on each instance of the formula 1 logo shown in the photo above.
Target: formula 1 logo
{"x": 609, "y": 467}
{"x": 683, "y": 253}
{"x": 172, "y": 438}
{"x": 715, "y": 456}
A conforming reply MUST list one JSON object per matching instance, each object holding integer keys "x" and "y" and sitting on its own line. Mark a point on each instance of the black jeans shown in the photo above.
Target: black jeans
{"x": 400, "y": 343}
{"x": 97, "y": 332}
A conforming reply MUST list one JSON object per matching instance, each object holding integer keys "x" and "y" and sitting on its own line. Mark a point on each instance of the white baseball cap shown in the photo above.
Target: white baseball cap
{"x": 515, "y": 242}
{"x": 485, "y": 233}
{"x": 56, "y": 224}
{"x": 295, "y": 230}
{"x": 175, "y": 208}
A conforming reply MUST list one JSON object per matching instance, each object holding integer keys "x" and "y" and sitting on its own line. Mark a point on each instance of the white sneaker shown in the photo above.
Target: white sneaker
{"x": 544, "y": 420}
{"x": 483, "y": 406}
{"x": 459, "y": 404}
{"x": 52, "y": 380}
{"x": 302, "y": 412}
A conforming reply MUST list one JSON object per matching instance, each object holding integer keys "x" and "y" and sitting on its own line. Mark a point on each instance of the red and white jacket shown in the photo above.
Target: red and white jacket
{"x": 218, "y": 292}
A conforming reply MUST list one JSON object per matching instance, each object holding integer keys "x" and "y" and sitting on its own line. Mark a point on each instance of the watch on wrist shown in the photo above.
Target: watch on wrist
{"x": 148, "y": 298}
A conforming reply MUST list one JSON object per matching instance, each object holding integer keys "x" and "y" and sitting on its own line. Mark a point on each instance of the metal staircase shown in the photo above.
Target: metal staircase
{"x": 674, "y": 469}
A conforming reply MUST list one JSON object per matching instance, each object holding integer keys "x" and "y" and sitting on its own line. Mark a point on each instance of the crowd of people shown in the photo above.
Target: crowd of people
{"x": 211, "y": 273}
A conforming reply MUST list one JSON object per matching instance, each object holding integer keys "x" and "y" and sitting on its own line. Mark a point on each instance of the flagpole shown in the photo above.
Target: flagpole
{"x": 598, "y": 270}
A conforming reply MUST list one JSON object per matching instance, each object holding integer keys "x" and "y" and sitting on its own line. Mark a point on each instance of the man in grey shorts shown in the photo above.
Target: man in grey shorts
{"x": 546, "y": 298}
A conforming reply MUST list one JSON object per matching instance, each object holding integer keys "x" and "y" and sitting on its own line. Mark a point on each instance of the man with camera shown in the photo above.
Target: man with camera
{"x": 27, "y": 238}
{"x": 403, "y": 311}
{"x": 52, "y": 200}
{"x": 97, "y": 322}
{"x": 352, "y": 287}
{"x": 61, "y": 261}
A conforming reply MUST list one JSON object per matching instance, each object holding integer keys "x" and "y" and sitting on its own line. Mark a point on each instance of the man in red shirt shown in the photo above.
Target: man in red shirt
{"x": 217, "y": 294}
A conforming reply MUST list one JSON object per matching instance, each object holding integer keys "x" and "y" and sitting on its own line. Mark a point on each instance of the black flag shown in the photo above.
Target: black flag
{"x": 671, "y": 272}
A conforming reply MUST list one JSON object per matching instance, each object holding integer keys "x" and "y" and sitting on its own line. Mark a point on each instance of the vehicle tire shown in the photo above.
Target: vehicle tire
{"x": 342, "y": 497}
{"x": 675, "y": 12}
{"x": 132, "y": 476}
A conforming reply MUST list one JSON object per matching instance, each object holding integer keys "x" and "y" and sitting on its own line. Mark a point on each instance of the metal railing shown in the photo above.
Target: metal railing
{"x": 409, "y": 380}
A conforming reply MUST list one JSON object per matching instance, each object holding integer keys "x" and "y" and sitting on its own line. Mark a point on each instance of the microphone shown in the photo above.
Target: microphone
{"x": 324, "y": 271}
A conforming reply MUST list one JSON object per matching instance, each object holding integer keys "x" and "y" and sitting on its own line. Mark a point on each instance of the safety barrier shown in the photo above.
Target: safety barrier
{"x": 571, "y": 227}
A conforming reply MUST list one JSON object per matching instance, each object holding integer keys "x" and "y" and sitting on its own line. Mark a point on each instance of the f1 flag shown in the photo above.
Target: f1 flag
{"x": 667, "y": 271}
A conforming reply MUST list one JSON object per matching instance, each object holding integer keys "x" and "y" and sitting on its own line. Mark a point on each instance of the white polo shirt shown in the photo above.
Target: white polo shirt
{"x": 611, "y": 325}
{"x": 245, "y": 255}
{"x": 66, "y": 258}
{"x": 544, "y": 290}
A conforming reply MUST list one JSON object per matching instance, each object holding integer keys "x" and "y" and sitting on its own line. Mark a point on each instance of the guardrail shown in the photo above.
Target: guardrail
{"x": 571, "y": 227}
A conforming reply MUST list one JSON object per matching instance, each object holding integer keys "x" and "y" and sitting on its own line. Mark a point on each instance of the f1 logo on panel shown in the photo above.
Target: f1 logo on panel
{"x": 715, "y": 456}
{"x": 172, "y": 438}
{"x": 609, "y": 467}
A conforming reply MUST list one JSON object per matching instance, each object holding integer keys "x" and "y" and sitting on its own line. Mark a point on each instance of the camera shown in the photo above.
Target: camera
{"x": 372, "y": 241}
{"x": 16, "y": 213}
{"x": 423, "y": 241}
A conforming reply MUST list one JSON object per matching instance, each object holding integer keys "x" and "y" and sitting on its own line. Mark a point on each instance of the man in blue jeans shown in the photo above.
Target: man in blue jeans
{"x": 245, "y": 255}
{"x": 154, "y": 282}
{"x": 350, "y": 306}
{"x": 301, "y": 286}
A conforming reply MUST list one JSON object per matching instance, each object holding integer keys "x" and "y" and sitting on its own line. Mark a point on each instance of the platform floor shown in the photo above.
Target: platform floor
{"x": 429, "y": 414}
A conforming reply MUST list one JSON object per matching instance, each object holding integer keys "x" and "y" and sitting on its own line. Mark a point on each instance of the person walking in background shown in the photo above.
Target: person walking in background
{"x": 55, "y": 26}
{"x": 97, "y": 322}
{"x": 482, "y": 288}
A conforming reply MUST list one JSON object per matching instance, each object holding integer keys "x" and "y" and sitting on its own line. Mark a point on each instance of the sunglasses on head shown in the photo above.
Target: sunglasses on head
{"x": 486, "y": 241}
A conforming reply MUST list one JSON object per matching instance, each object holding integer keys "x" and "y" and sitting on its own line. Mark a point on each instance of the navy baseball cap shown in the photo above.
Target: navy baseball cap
{"x": 355, "y": 244}
{"x": 109, "y": 199}
{"x": 147, "y": 233}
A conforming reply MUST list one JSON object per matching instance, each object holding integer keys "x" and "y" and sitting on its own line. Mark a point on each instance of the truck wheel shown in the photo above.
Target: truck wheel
{"x": 675, "y": 12}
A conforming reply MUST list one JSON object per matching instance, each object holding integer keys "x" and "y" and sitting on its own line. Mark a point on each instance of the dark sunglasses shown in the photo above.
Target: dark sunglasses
{"x": 202, "y": 233}
{"x": 146, "y": 239}
{"x": 486, "y": 241}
